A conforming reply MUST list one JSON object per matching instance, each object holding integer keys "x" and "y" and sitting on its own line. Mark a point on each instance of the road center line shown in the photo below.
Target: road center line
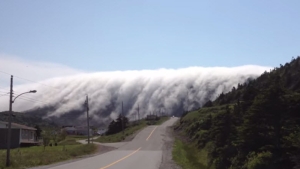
{"x": 121, "y": 159}
{"x": 151, "y": 134}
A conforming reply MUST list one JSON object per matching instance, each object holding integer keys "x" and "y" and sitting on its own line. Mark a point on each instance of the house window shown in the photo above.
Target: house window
{"x": 23, "y": 134}
{"x": 27, "y": 134}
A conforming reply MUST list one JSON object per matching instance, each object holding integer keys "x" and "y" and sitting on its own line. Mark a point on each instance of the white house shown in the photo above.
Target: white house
{"x": 20, "y": 134}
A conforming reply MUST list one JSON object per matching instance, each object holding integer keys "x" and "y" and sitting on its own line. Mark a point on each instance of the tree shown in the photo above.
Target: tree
{"x": 38, "y": 131}
{"x": 117, "y": 125}
{"x": 208, "y": 104}
{"x": 62, "y": 135}
{"x": 55, "y": 136}
{"x": 46, "y": 134}
{"x": 222, "y": 134}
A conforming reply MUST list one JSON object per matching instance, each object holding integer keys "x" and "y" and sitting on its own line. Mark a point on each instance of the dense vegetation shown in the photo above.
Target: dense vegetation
{"x": 255, "y": 126}
{"x": 130, "y": 130}
{"x": 116, "y": 134}
{"x": 117, "y": 125}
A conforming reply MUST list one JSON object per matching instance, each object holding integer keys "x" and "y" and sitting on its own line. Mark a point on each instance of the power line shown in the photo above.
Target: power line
{"x": 4, "y": 92}
{"x": 3, "y": 89}
{"x": 26, "y": 98}
{"x": 32, "y": 100}
{"x": 4, "y": 95}
{"x": 30, "y": 80}
{"x": 64, "y": 109}
{"x": 5, "y": 73}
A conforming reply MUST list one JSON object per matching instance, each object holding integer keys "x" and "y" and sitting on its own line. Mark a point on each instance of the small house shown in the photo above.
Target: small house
{"x": 83, "y": 130}
{"x": 20, "y": 135}
{"x": 70, "y": 130}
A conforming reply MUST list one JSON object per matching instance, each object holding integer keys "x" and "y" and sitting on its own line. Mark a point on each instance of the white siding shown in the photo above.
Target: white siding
{"x": 27, "y": 134}
{"x": 20, "y": 138}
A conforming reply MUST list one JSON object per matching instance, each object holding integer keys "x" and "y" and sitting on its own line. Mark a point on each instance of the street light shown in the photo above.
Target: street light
{"x": 9, "y": 123}
{"x": 31, "y": 91}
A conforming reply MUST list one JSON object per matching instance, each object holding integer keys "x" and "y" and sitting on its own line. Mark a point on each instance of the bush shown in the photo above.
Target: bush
{"x": 259, "y": 160}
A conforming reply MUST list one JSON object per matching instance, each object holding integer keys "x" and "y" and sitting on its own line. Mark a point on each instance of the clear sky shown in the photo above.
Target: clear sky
{"x": 105, "y": 35}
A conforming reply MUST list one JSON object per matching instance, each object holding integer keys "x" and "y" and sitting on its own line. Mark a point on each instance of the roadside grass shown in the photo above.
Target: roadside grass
{"x": 36, "y": 156}
{"x": 161, "y": 120}
{"x": 131, "y": 129}
{"x": 189, "y": 157}
{"x": 120, "y": 136}
{"x": 186, "y": 151}
{"x": 76, "y": 137}
{"x": 69, "y": 141}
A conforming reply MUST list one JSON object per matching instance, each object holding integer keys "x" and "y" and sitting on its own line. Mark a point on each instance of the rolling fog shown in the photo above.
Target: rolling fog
{"x": 166, "y": 90}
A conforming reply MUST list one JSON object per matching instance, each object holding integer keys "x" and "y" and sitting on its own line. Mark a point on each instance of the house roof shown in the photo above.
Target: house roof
{"x": 20, "y": 126}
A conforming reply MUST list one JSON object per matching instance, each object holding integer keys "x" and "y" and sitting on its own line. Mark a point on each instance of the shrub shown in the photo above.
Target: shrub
{"x": 259, "y": 161}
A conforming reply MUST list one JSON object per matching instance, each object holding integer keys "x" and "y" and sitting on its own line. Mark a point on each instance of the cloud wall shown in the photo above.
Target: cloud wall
{"x": 168, "y": 90}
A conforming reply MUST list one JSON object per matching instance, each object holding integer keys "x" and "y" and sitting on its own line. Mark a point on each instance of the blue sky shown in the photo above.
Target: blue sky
{"x": 100, "y": 35}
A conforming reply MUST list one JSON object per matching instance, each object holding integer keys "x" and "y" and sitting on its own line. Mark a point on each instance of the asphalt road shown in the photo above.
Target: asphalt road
{"x": 143, "y": 152}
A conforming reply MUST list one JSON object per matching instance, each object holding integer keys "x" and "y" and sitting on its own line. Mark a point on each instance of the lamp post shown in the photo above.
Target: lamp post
{"x": 31, "y": 91}
{"x": 11, "y": 101}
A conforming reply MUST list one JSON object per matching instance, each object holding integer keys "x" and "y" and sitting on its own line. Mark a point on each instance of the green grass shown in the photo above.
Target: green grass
{"x": 197, "y": 115}
{"x": 128, "y": 131}
{"x": 120, "y": 136}
{"x": 76, "y": 137}
{"x": 188, "y": 157}
{"x": 161, "y": 120}
{"x": 69, "y": 141}
{"x": 187, "y": 154}
{"x": 35, "y": 156}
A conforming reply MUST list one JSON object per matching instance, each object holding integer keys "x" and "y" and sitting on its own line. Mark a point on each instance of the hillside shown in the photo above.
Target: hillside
{"x": 74, "y": 117}
{"x": 255, "y": 126}
{"x": 27, "y": 119}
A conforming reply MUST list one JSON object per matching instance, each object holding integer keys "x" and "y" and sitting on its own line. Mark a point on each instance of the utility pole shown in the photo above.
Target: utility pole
{"x": 138, "y": 112}
{"x": 136, "y": 116}
{"x": 122, "y": 119}
{"x": 9, "y": 123}
{"x": 88, "y": 119}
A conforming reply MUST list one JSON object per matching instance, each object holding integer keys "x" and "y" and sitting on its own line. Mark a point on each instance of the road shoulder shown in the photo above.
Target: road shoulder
{"x": 167, "y": 160}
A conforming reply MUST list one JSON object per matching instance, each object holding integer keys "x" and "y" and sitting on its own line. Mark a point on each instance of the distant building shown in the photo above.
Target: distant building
{"x": 20, "y": 135}
{"x": 82, "y": 130}
{"x": 70, "y": 130}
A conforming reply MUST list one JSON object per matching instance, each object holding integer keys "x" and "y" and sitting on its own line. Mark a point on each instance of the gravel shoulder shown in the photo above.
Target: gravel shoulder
{"x": 167, "y": 161}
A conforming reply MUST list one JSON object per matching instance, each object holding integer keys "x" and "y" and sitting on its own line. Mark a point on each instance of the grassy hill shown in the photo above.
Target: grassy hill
{"x": 27, "y": 119}
{"x": 255, "y": 126}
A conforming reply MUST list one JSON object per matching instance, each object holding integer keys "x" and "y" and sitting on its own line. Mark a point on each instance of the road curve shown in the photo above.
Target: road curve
{"x": 143, "y": 152}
